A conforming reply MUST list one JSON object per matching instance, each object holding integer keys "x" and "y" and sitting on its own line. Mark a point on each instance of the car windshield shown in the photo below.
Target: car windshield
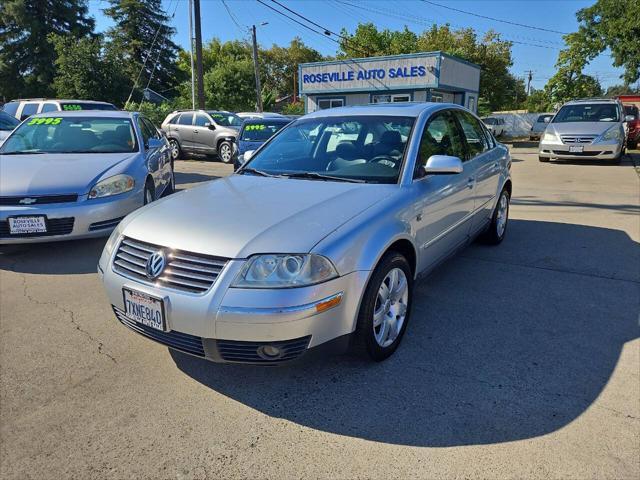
{"x": 489, "y": 121}
{"x": 347, "y": 148}
{"x": 588, "y": 112}
{"x": 542, "y": 118}
{"x": 72, "y": 135}
{"x": 226, "y": 119}
{"x": 260, "y": 131}
{"x": 8, "y": 122}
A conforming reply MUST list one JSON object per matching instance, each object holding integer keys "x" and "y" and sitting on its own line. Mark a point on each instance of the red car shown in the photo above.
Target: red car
{"x": 632, "y": 107}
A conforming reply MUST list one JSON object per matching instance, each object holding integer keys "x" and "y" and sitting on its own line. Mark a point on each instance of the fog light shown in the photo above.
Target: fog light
{"x": 269, "y": 352}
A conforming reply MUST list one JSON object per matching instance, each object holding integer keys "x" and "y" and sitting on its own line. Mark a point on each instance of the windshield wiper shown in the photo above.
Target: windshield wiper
{"x": 22, "y": 152}
{"x": 321, "y": 176}
{"x": 258, "y": 172}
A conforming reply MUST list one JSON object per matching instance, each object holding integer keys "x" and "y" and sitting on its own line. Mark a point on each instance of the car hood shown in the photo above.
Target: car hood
{"x": 237, "y": 216}
{"x": 56, "y": 173}
{"x": 581, "y": 128}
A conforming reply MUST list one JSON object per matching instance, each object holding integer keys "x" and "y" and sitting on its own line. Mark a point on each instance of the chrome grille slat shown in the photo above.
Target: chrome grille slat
{"x": 184, "y": 271}
{"x": 578, "y": 139}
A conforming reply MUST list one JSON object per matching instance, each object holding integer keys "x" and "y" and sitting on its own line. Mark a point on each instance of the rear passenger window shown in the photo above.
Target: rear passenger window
{"x": 49, "y": 107}
{"x": 185, "y": 119}
{"x": 474, "y": 134}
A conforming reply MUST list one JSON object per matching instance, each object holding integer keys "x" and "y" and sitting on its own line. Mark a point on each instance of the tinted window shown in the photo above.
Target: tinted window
{"x": 201, "y": 120}
{"x": 542, "y": 118}
{"x": 260, "y": 131}
{"x": 8, "y": 122}
{"x": 185, "y": 119}
{"x": 440, "y": 137}
{"x": 49, "y": 107}
{"x": 491, "y": 121}
{"x": 337, "y": 147}
{"x": 28, "y": 110}
{"x": 150, "y": 128}
{"x": 474, "y": 134}
{"x": 71, "y": 106}
{"x": 11, "y": 108}
{"x": 226, "y": 119}
{"x": 589, "y": 112}
{"x": 53, "y": 134}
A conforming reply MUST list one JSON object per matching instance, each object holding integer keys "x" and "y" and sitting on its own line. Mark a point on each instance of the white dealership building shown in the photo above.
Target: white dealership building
{"x": 417, "y": 77}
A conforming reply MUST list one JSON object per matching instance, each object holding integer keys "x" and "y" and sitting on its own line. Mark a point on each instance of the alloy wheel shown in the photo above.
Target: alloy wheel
{"x": 503, "y": 212}
{"x": 390, "y": 310}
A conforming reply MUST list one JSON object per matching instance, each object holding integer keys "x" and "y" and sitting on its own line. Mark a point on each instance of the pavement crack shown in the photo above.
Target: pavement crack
{"x": 551, "y": 269}
{"x": 70, "y": 314}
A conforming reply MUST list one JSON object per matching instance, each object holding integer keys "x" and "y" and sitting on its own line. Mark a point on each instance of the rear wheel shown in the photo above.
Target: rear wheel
{"x": 632, "y": 145}
{"x": 385, "y": 309}
{"x": 225, "y": 152}
{"x": 176, "y": 152}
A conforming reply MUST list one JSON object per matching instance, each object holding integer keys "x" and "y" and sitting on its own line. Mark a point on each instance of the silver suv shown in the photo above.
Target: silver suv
{"x": 585, "y": 129}
{"x": 207, "y": 132}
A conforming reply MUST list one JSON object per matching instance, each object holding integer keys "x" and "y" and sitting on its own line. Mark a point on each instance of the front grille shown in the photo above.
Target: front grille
{"x": 578, "y": 139}
{"x": 249, "y": 352}
{"x": 38, "y": 199}
{"x": 186, "y": 271}
{"x": 55, "y": 226}
{"x": 176, "y": 340}
{"x": 592, "y": 153}
{"x": 105, "y": 224}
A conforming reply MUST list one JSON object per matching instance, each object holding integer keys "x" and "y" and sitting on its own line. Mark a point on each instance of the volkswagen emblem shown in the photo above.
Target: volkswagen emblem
{"x": 28, "y": 201}
{"x": 156, "y": 264}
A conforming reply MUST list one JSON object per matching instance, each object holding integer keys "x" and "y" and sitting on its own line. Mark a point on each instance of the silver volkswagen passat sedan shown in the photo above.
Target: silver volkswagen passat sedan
{"x": 316, "y": 241}
{"x": 67, "y": 175}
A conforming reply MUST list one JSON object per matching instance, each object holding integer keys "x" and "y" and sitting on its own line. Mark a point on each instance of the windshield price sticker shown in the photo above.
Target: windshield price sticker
{"x": 71, "y": 107}
{"x": 45, "y": 121}
{"x": 255, "y": 127}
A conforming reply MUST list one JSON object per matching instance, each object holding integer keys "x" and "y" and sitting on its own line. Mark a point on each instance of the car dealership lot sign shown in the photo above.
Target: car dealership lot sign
{"x": 369, "y": 74}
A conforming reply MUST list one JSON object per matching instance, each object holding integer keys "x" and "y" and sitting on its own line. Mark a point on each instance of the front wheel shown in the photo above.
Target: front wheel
{"x": 149, "y": 192}
{"x": 385, "y": 309}
{"x": 498, "y": 227}
{"x": 543, "y": 159}
{"x": 225, "y": 152}
{"x": 175, "y": 149}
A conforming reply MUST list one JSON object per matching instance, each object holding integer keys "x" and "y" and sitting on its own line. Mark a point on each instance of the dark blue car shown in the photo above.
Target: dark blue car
{"x": 253, "y": 133}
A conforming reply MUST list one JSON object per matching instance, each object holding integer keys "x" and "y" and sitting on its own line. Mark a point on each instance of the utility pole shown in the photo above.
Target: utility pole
{"x": 529, "y": 78}
{"x": 256, "y": 68}
{"x": 196, "y": 8}
{"x": 193, "y": 73}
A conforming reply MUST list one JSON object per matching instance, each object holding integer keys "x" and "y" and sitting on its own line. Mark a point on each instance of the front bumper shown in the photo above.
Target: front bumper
{"x": 74, "y": 220}
{"x": 233, "y": 324}
{"x": 602, "y": 150}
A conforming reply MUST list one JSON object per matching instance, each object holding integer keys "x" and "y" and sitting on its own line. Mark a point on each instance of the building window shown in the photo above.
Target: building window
{"x": 324, "y": 103}
{"x": 472, "y": 104}
{"x": 390, "y": 98}
{"x": 436, "y": 97}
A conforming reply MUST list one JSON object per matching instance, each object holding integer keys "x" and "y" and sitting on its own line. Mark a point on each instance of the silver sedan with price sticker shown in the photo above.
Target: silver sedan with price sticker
{"x": 77, "y": 174}
{"x": 315, "y": 243}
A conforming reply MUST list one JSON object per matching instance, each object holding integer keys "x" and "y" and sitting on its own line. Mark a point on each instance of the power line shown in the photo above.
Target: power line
{"x": 234, "y": 19}
{"x": 495, "y": 19}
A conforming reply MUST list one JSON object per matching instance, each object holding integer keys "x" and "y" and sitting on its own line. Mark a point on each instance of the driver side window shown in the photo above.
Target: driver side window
{"x": 441, "y": 136}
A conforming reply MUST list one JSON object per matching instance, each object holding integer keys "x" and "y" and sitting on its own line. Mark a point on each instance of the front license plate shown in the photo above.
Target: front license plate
{"x": 144, "y": 309}
{"x": 576, "y": 149}
{"x": 30, "y": 224}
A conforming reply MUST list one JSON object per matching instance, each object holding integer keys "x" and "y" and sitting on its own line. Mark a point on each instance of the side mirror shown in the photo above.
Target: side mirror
{"x": 443, "y": 164}
{"x": 547, "y": 119}
{"x": 247, "y": 155}
{"x": 629, "y": 118}
{"x": 154, "y": 143}
{"x": 210, "y": 126}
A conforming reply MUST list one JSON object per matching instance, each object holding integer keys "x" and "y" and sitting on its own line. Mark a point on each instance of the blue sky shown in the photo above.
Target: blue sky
{"x": 334, "y": 14}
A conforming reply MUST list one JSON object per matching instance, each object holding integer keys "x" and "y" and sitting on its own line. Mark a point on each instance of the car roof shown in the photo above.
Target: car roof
{"x": 59, "y": 100}
{"x": 592, "y": 100}
{"x": 400, "y": 109}
{"x": 89, "y": 113}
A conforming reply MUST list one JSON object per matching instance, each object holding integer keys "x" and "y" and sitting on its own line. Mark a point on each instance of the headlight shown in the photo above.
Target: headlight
{"x": 111, "y": 242}
{"x": 112, "y": 186}
{"x": 549, "y": 137}
{"x": 613, "y": 133}
{"x": 281, "y": 271}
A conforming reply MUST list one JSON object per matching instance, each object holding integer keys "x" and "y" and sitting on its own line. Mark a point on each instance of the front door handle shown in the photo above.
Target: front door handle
{"x": 470, "y": 183}
{"x": 195, "y": 131}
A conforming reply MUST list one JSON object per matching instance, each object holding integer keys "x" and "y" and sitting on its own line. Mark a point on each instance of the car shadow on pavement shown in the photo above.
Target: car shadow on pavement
{"x": 183, "y": 178}
{"x": 53, "y": 258}
{"x": 505, "y": 343}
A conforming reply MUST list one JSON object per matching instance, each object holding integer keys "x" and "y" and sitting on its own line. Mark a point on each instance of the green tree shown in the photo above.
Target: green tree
{"x": 538, "y": 101}
{"x": 607, "y": 24}
{"x": 142, "y": 36}
{"x": 85, "y": 69}
{"x": 615, "y": 90}
{"x": 499, "y": 89}
{"x": 295, "y": 108}
{"x": 27, "y": 60}
{"x": 568, "y": 84}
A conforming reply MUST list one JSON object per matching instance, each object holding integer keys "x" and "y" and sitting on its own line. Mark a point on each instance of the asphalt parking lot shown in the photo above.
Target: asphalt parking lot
{"x": 521, "y": 361}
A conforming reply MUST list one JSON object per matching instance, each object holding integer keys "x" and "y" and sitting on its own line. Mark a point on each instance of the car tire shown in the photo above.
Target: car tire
{"x": 632, "y": 145}
{"x": 378, "y": 333}
{"x": 225, "y": 152}
{"x": 497, "y": 229}
{"x": 543, "y": 159}
{"x": 176, "y": 151}
{"x": 149, "y": 194}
